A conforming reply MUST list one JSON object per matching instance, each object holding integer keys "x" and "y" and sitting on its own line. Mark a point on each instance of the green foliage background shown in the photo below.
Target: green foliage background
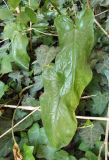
{"x": 38, "y": 49}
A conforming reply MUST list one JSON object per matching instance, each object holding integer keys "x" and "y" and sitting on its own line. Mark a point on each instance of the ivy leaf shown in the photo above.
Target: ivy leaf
{"x": 45, "y": 55}
{"x": 13, "y": 4}
{"x": 31, "y": 14}
{"x": 90, "y": 155}
{"x": 100, "y": 102}
{"x": 34, "y": 4}
{"x": 28, "y": 152}
{"x": 103, "y": 67}
{"x": 33, "y": 134}
{"x": 2, "y": 89}
{"x": 6, "y": 66}
{"x": 9, "y": 30}
{"x": 63, "y": 155}
{"x": 19, "y": 53}
{"x": 37, "y": 85}
{"x": 5, "y": 146}
{"x": 90, "y": 135}
{"x": 65, "y": 81}
{"x": 5, "y": 13}
{"x": 24, "y": 140}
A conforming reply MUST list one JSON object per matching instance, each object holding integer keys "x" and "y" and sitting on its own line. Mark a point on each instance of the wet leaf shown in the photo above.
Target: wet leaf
{"x": 19, "y": 53}
{"x": 65, "y": 81}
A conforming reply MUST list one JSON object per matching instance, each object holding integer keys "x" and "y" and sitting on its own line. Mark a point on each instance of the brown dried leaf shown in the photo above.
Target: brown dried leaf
{"x": 16, "y": 152}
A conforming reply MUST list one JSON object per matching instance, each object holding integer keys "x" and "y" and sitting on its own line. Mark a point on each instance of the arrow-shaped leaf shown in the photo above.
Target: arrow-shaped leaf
{"x": 65, "y": 81}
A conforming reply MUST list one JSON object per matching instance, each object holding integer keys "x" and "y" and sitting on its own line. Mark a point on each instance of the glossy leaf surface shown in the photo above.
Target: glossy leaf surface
{"x": 19, "y": 53}
{"x": 65, "y": 81}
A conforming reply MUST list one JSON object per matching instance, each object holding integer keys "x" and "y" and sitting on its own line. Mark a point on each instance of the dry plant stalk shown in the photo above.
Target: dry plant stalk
{"x": 16, "y": 152}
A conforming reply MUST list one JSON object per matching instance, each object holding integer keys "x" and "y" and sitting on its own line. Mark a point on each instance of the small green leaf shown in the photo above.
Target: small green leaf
{"x": 90, "y": 135}
{"x": 37, "y": 85}
{"x": 24, "y": 140}
{"x": 103, "y": 67}
{"x": 45, "y": 55}
{"x": 19, "y": 53}
{"x": 45, "y": 151}
{"x": 91, "y": 156}
{"x": 5, "y": 146}
{"x": 13, "y": 3}
{"x": 84, "y": 147}
{"x": 2, "y": 89}
{"x": 28, "y": 152}
{"x": 34, "y": 4}
{"x": 9, "y": 30}
{"x": 33, "y": 134}
{"x": 6, "y": 66}
{"x": 23, "y": 17}
{"x": 31, "y": 14}
{"x": 100, "y": 102}
{"x": 5, "y": 14}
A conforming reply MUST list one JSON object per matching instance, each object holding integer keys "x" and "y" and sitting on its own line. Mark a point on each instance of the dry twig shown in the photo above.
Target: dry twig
{"x": 106, "y": 136}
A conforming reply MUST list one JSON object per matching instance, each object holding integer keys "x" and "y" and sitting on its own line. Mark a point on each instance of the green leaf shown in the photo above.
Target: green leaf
{"x": 28, "y": 152}
{"x": 90, "y": 135}
{"x": 100, "y": 102}
{"x": 33, "y": 134}
{"x": 45, "y": 55}
{"x": 13, "y": 4}
{"x": 5, "y": 14}
{"x": 6, "y": 66}
{"x": 2, "y": 89}
{"x": 103, "y": 67}
{"x": 9, "y": 30}
{"x": 19, "y": 53}
{"x": 46, "y": 152}
{"x": 24, "y": 140}
{"x": 5, "y": 146}
{"x": 37, "y": 85}
{"x": 63, "y": 155}
{"x": 31, "y": 14}
{"x": 107, "y": 24}
{"x": 91, "y": 156}
{"x": 84, "y": 147}
{"x": 65, "y": 81}
{"x": 34, "y": 4}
